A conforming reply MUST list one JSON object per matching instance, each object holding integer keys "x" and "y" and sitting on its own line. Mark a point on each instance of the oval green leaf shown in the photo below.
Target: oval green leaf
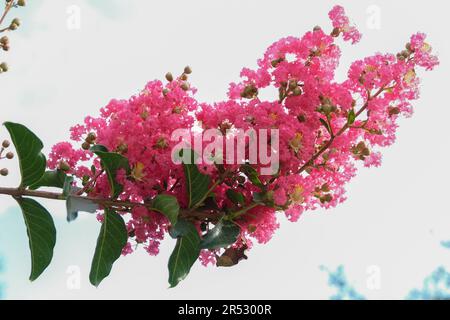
{"x": 168, "y": 206}
{"x": 32, "y": 162}
{"x": 112, "y": 162}
{"x": 41, "y": 235}
{"x": 54, "y": 179}
{"x": 223, "y": 235}
{"x": 197, "y": 183}
{"x": 186, "y": 251}
{"x": 111, "y": 240}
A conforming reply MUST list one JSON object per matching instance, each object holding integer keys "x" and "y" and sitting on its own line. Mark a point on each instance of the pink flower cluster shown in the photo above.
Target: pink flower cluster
{"x": 325, "y": 128}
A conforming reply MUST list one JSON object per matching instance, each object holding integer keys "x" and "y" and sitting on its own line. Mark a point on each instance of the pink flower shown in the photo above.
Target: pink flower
{"x": 342, "y": 24}
{"x": 326, "y": 127}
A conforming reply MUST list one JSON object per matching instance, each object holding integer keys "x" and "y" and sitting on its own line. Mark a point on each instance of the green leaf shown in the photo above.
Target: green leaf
{"x": 197, "y": 183}
{"x": 224, "y": 234}
{"x": 235, "y": 197}
{"x": 111, "y": 163}
{"x": 74, "y": 205}
{"x": 168, "y": 206}
{"x": 252, "y": 175}
{"x": 53, "y": 179}
{"x": 111, "y": 240}
{"x": 28, "y": 146}
{"x": 351, "y": 117}
{"x": 186, "y": 251}
{"x": 41, "y": 235}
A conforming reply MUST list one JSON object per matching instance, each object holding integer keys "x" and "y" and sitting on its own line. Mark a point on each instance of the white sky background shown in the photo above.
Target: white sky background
{"x": 394, "y": 218}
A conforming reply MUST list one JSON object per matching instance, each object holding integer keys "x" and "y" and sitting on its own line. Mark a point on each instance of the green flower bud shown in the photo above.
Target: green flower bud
{"x": 185, "y": 86}
{"x": 293, "y": 84}
{"x": 4, "y": 67}
{"x": 64, "y": 166}
{"x": 21, "y": 3}
{"x": 297, "y": 91}
{"x": 16, "y": 21}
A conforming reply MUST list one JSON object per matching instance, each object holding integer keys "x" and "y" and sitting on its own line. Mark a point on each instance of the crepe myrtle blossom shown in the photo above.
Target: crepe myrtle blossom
{"x": 254, "y": 159}
{"x": 324, "y": 129}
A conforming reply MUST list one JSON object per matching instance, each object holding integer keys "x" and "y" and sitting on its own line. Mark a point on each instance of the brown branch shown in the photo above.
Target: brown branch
{"x": 8, "y": 7}
{"x": 122, "y": 205}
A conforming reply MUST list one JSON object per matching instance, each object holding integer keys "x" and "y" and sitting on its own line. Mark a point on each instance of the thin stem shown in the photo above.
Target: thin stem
{"x": 340, "y": 132}
{"x": 118, "y": 204}
{"x": 239, "y": 213}
{"x": 8, "y": 7}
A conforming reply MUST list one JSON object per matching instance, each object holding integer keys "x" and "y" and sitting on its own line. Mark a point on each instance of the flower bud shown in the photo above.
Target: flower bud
{"x": 4, "y": 67}
{"x": 336, "y": 32}
{"x": 297, "y": 91}
{"x": 185, "y": 86}
{"x": 275, "y": 62}
{"x": 4, "y": 40}
{"x": 169, "y": 77}
{"x": 6, "y": 144}
{"x": 293, "y": 84}
{"x": 86, "y": 146}
{"x": 366, "y": 152}
{"x": 64, "y": 166}
{"x": 4, "y": 172}
{"x": 326, "y": 198}
{"x": 394, "y": 111}
{"x": 16, "y": 21}
{"x": 317, "y": 28}
{"x": 165, "y": 92}
{"x": 9, "y": 155}
{"x": 187, "y": 70}
{"x": 184, "y": 77}
{"x": 91, "y": 138}
{"x": 408, "y": 47}
{"x": 21, "y": 3}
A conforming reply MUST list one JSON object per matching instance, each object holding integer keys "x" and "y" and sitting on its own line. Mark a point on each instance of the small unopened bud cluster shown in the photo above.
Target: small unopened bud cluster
{"x": 405, "y": 54}
{"x": 249, "y": 92}
{"x": 326, "y": 106}
{"x": 361, "y": 151}
{"x": 182, "y": 79}
{"x": 89, "y": 141}
{"x": 287, "y": 88}
{"x": 9, "y": 155}
{"x": 13, "y": 25}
